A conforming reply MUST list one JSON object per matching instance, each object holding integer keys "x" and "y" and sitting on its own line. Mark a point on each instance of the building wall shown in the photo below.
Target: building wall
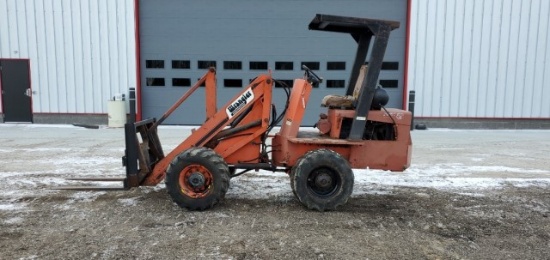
{"x": 467, "y": 58}
{"x": 82, "y": 52}
{"x": 485, "y": 59}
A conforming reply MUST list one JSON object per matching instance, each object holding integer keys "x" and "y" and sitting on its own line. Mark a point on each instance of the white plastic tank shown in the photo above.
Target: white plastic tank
{"x": 116, "y": 111}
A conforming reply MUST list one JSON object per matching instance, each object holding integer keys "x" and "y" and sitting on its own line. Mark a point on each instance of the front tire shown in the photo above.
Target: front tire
{"x": 197, "y": 179}
{"x": 322, "y": 180}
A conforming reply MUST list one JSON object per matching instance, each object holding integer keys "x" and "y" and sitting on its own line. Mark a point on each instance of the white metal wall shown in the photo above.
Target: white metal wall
{"x": 480, "y": 58}
{"x": 81, "y": 52}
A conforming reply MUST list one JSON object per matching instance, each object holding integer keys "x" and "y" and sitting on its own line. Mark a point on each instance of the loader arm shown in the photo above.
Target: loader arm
{"x": 254, "y": 99}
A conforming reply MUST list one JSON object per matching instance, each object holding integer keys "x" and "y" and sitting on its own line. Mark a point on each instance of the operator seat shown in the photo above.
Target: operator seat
{"x": 346, "y": 102}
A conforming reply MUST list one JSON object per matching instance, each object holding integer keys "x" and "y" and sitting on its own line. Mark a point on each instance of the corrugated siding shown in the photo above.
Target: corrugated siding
{"x": 480, "y": 58}
{"x": 81, "y": 52}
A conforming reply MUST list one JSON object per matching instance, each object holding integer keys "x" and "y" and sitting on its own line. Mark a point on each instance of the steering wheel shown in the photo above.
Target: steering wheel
{"x": 312, "y": 77}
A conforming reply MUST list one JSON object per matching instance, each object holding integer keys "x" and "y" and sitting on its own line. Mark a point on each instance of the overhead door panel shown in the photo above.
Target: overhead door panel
{"x": 180, "y": 39}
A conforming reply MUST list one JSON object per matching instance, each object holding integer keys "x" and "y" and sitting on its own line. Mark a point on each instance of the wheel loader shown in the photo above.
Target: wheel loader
{"x": 356, "y": 132}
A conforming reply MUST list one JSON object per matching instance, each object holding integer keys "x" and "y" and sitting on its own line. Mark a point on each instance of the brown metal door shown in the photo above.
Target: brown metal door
{"x": 16, "y": 90}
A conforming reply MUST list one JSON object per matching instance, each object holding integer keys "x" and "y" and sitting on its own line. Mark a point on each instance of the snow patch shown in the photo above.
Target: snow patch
{"x": 477, "y": 195}
{"x": 37, "y": 181}
{"x": 265, "y": 185}
{"x": 448, "y": 177}
{"x": 461, "y": 169}
{"x": 92, "y": 161}
{"x": 260, "y": 185}
{"x": 39, "y": 150}
{"x": 86, "y": 196}
{"x": 14, "y": 220}
{"x": 129, "y": 201}
{"x": 12, "y": 206}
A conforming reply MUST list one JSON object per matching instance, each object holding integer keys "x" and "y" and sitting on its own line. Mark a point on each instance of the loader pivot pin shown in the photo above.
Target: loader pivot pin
{"x": 196, "y": 180}
{"x": 323, "y": 180}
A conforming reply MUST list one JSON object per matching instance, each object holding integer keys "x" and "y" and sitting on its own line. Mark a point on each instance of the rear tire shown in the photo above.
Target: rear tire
{"x": 197, "y": 179}
{"x": 322, "y": 180}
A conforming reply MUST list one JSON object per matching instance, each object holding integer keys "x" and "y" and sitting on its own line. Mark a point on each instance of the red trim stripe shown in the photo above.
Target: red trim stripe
{"x": 407, "y": 43}
{"x": 1, "y": 98}
{"x": 138, "y": 60}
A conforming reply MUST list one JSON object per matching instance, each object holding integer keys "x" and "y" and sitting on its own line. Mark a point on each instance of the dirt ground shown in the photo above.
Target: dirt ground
{"x": 468, "y": 195}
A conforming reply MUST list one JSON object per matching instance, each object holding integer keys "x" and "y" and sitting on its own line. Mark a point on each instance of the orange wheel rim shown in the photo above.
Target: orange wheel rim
{"x": 196, "y": 181}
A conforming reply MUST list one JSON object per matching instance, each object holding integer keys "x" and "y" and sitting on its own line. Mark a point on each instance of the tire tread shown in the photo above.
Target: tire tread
{"x": 211, "y": 160}
{"x": 308, "y": 162}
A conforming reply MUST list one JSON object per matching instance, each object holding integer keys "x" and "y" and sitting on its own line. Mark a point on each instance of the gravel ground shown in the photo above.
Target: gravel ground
{"x": 468, "y": 195}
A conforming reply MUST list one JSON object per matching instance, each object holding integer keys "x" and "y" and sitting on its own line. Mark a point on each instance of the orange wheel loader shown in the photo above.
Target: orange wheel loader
{"x": 357, "y": 131}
